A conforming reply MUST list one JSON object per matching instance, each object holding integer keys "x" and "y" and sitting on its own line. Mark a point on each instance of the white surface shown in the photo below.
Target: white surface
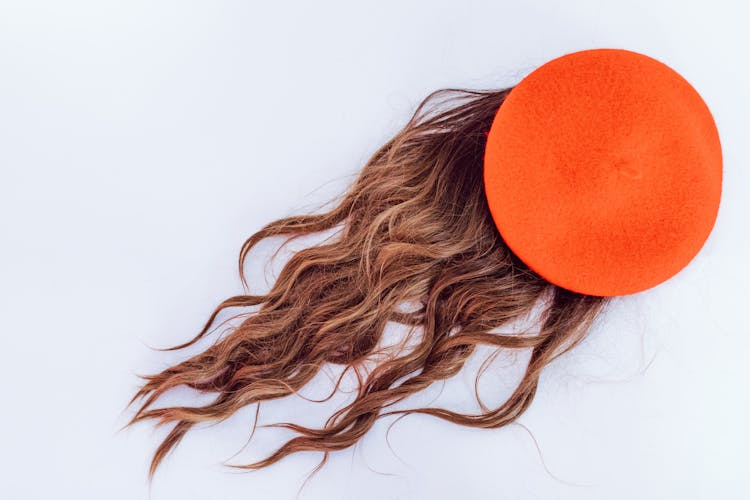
{"x": 141, "y": 142}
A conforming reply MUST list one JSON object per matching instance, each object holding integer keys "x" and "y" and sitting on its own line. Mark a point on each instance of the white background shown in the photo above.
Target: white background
{"x": 142, "y": 141}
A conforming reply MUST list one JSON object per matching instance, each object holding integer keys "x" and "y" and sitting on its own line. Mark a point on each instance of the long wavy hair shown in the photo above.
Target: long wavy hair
{"x": 413, "y": 228}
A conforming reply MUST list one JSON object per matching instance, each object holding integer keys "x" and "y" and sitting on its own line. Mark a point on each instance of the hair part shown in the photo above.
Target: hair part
{"x": 414, "y": 227}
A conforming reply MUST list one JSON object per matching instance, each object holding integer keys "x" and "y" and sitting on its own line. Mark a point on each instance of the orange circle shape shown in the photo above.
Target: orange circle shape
{"x": 603, "y": 171}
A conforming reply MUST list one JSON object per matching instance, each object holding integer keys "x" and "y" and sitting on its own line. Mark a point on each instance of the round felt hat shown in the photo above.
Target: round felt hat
{"x": 603, "y": 171}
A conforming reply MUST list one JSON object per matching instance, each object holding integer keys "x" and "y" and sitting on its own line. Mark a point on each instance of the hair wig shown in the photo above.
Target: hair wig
{"x": 413, "y": 228}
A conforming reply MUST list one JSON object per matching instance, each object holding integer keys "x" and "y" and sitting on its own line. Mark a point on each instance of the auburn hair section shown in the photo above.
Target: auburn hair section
{"x": 412, "y": 228}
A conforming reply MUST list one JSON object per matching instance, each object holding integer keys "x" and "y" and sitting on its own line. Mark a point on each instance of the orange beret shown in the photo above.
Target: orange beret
{"x": 603, "y": 171}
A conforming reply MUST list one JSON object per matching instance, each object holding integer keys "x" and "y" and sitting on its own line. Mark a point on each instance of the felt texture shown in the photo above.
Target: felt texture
{"x": 603, "y": 171}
